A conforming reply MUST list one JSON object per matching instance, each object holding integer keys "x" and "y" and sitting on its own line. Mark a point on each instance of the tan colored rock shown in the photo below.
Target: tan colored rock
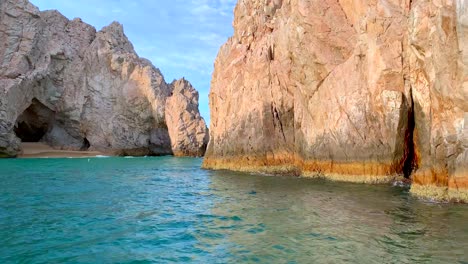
{"x": 438, "y": 65}
{"x": 65, "y": 84}
{"x": 325, "y": 88}
{"x": 187, "y": 129}
{"x": 279, "y": 96}
{"x": 126, "y": 94}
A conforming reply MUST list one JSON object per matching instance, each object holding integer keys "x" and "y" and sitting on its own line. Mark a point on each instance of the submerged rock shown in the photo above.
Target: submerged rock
{"x": 350, "y": 90}
{"x": 65, "y": 84}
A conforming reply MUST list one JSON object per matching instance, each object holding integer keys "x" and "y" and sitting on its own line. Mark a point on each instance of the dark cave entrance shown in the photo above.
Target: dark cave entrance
{"x": 86, "y": 145}
{"x": 34, "y": 122}
{"x": 410, "y": 162}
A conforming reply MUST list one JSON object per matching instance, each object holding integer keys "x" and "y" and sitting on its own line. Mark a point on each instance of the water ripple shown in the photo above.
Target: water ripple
{"x": 166, "y": 210}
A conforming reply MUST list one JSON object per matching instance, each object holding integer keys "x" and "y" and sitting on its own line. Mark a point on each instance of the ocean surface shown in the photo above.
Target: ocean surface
{"x": 168, "y": 210}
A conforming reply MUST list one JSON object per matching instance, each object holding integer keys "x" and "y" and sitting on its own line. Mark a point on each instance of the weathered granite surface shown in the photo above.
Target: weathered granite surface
{"x": 187, "y": 130}
{"x": 355, "y": 90}
{"x": 437, "y": 60}
{"x": 65, "y": 84}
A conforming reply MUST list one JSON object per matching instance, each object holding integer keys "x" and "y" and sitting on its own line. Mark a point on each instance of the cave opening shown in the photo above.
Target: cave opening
{"x": 410, "y": 162}
{"x": 86, "y": 145}
{"x": 34, "y": 122}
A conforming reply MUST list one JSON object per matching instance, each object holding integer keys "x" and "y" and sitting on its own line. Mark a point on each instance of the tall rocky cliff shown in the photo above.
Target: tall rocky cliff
{"x": 355, "y": 90}
{"x": 63, "y": 83}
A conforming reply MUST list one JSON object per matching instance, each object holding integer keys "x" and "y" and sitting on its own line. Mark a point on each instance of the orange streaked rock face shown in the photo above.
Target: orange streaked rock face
{"x": 352, "y": 88}
{"x": 438, "y": 71}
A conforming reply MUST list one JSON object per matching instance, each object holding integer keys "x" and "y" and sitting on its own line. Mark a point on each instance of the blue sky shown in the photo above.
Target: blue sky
{"x": 180, "y": 37}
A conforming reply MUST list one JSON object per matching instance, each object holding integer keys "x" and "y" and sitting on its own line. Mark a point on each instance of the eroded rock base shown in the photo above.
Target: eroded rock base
{"x": 438, "y": 193}
{"x": 367, "y": 173}
{"x": 371, "y": 173}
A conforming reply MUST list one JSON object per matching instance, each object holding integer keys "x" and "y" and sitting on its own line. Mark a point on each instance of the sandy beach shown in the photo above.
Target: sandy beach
{"x": 41, "y": 150}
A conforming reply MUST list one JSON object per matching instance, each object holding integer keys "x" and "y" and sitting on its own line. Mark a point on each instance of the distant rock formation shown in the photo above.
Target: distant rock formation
{"x": 359, "y": 90}
{"x": 188, "y": 135}
{"x": 63, "y": 83}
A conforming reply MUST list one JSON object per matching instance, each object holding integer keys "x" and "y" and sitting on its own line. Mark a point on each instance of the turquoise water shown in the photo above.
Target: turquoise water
{"x": 164, "y": 210}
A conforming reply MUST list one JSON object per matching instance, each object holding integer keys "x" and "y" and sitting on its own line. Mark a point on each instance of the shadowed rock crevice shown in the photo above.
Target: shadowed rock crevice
{"x": 410, "y": 163}
{"x": 34, "y": 122}
{"x": 86, "y": 145}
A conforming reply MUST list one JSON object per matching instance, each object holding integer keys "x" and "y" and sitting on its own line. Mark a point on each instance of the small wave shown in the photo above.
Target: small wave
{"x": 434, "y": 201}
{"x": 263, "y": 174}
{"x": 83, "y": 157}
{"x": 129, "y": 157}
{"x": 101, "y": 156}
{"x": 402, "y": 183}
{"x": 399, "y": 184}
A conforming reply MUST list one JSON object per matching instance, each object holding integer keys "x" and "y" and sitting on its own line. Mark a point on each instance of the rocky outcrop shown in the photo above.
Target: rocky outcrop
{"x": 360, "y": 90}
{"x": 187, "y": 130}
{"x": 63, "y": 83}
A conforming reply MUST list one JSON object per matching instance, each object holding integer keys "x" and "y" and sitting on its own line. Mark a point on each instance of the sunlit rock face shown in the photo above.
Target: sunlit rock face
{"x": 187, "y": 130}
{"x": 437, "y": 60}
{"x": 99, "y": 94}
{"x": 351, "y": 90}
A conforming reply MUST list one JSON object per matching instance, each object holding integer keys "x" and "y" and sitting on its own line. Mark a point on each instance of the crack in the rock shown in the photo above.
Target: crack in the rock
{"x": 409, "y": 164}
{"x": 276, "y": 116}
